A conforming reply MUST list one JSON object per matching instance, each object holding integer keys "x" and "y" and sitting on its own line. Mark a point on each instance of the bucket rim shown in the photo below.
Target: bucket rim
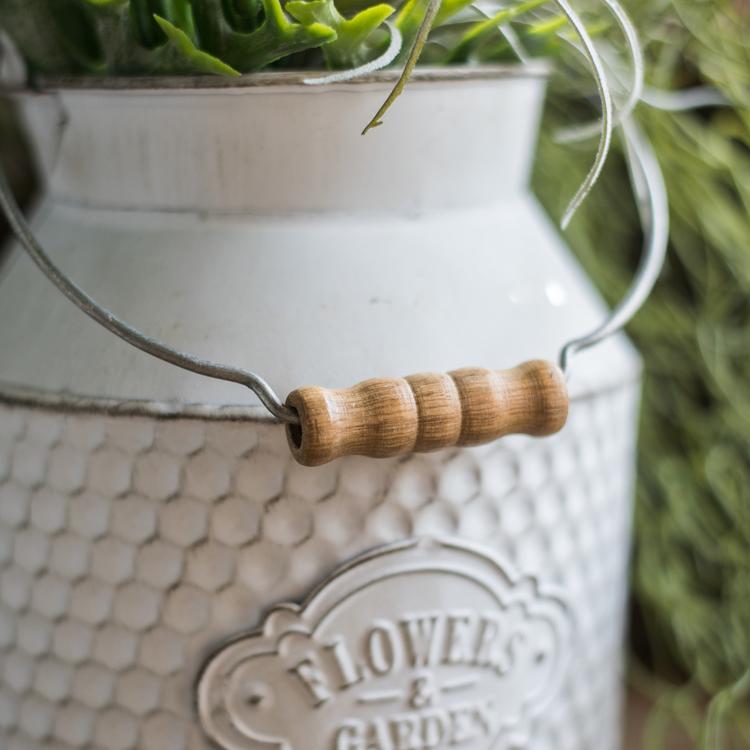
{"x": 280, "y": 79}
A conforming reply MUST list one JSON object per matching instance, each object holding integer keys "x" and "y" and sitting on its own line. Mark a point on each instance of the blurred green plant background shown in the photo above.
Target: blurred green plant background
{"x": 691, "y": 573}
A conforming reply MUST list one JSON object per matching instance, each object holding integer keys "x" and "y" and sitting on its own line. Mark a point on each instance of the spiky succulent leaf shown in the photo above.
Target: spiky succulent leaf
{"x": 354, "y": 36}
{"x": 124, "y": 37}
{"x": 276, "y": 37}
{"x": 184, "y": 45}
{"x": 125, "y": 52}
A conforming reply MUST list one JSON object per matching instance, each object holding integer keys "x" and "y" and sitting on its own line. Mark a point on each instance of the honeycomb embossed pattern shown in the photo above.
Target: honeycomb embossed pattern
{"x": 130, "y": 548}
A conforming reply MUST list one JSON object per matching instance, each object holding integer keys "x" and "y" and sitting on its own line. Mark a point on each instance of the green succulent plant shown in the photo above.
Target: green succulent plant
{"x": 231, "y": 37}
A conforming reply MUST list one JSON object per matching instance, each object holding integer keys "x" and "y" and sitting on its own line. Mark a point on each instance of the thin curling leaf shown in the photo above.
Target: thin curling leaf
{"x": 479, "y": 31}
{"x": 605, "y": 97}
{"x": 370, "y": 67}
{"x": 351, "y": 44}
{"x": 582, "y": 132}
{"x": 276, "y": 37}
{"x": 202, "y": 61}
{"x": 424, "y": 30}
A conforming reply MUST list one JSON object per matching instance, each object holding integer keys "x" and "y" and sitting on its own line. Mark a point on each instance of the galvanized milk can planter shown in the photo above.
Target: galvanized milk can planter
{"x": 170, "y": 577}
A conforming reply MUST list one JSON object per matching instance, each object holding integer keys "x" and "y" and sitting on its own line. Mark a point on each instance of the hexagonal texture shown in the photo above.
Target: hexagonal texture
{"x": 48, "y": 510}
{"x": 73, "y": 641}
{"x": 236, "y": 521}
{"x": 74, "y": 725}
{"x": 210, "y": 566}
{"x": 187, "y": 609}
{"x": 31, "y": 550}
{"x": 137, "y": 606}
{"x": 18, "y": 671}
{"x": 134, "y": 519}
{"x": 110, "y": 472}
{"x": 51, "y": 596}
{"x": 115, "y": 730}
{"x": 52, "y": 679}
{"x": 129, "y": 548}
{"x": 8, "y": 709}
{"x": 91, "y": 601}
{"x": 14, "y": 504}
{"x": 157, "y": 475}
{"x": 26, "y": 469}
{"x": 138, "y": 691}
{"x": 67, "y": 468}
{"x": 93, "y": 685}
{"x": 6, "y": 545}
{"x": 112, "y": 560}
{"x": 183, "y": 521}
{"x": 180, "y": 438}
{"x": 36, "y": 717}
{"x": 115, "y": 647}
{"x": 34, "y": 634}
{"x": 70, "y": 556}
{"x": 288, "y": 520}
{"x": 159, "y": 563}
{"x": 130, "y": 435}
{"x": 162, "y": 652}
{"x": 208, "y": 475}
{"x": 89, "y": 514}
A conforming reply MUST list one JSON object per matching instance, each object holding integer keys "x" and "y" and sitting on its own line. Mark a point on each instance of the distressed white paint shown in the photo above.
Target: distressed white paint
{"x": 255, "y": 226}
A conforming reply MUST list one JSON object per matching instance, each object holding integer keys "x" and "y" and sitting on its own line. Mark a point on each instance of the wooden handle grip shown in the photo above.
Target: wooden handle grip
{"x": 420, "y": 413}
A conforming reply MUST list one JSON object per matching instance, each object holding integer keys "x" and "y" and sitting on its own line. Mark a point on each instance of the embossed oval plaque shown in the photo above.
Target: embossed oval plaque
{"x": 423, "y": 645}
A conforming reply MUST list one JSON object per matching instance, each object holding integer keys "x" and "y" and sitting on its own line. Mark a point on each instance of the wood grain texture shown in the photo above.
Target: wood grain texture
{"x": 427, "y": 412}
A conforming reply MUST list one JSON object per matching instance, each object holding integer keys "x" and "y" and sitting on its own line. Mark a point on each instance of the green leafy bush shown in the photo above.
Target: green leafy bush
{"x": 691, "y": 571}
{"x": 231, "y": 37}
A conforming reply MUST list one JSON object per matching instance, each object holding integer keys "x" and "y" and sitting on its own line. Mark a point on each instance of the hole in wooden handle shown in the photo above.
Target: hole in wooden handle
{"x": 427, "y": 412}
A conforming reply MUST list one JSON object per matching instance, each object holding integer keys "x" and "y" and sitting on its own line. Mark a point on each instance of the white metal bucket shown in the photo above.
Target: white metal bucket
{"x": 148, "y": 516}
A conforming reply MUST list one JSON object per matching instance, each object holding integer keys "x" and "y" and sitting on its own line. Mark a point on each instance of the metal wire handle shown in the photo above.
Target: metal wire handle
{"x": 133, "y": 336}
{"x": 649, "y": 190}
{"x": 653, "y": 209}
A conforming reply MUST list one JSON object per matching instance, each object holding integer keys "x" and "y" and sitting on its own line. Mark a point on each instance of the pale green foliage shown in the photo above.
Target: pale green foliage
{"x": 692, "y": 554}
{"x": 227, "y": 37}
{"x": 202, "y": 61}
